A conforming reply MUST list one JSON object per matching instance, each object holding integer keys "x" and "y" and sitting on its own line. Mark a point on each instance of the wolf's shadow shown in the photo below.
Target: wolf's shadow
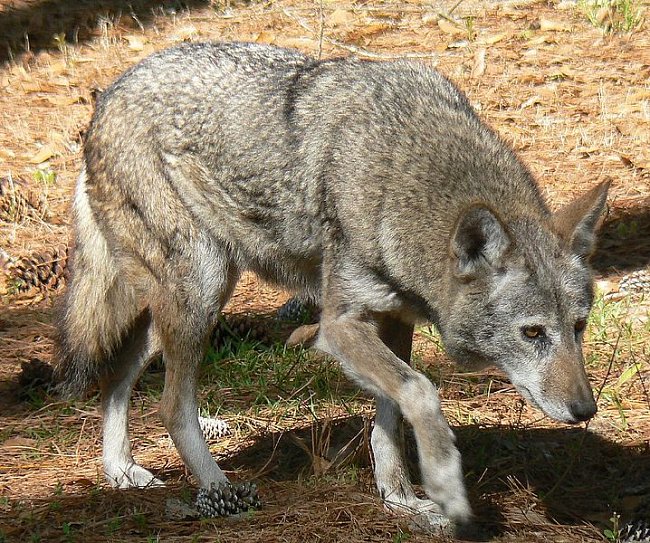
{"x": 42, "y": 25}
{"x": 624, "y": 241}
{"x": 577, "y": 475}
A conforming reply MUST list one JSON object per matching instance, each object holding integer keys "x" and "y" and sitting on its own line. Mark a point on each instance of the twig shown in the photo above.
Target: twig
{"x": 453, "y": 8}
{"x": 359, "y": 51}
{"x": 261, "y": 471}
{"x": 448, "y": 16}
{"x": 321, "y": 28}
{"x": 81, "y": 433}
{"x": 392, "y": 8}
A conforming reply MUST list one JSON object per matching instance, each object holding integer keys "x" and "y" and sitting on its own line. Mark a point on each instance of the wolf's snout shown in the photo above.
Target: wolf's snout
{"x": 583, "y": 410}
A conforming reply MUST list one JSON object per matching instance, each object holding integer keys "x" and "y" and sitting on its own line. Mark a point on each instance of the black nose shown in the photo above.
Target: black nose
{"x": 583, "y": 410}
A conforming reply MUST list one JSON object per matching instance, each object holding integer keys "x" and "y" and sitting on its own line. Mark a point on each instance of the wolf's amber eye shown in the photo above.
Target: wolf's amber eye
{"x": 534, "y": 332}
{"x": 580, "y": 326}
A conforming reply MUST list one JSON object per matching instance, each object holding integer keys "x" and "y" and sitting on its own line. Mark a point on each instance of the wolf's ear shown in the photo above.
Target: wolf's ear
{"x": 479, "y": 241}
{"x": 578, "y": 221}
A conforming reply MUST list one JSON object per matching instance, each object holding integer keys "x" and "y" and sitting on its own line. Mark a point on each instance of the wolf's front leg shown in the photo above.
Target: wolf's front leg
{"x": 391, "y": 475}
{"x": 366, "y": 358}
{"x": 387, "y": 441}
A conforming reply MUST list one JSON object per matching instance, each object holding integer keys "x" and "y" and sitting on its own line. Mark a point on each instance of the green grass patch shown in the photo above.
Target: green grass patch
{"x": 249, "y": 372}
{"x": 613, "y": 15}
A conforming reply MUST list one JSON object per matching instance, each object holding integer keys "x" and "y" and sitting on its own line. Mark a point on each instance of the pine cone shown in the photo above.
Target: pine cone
{"x": 227, "y": 499}
{"x": 635, "y": 532}
{"x": 11, "y": 202}
{"x": 42, "y": 271}
{"x": 213, "y": 428}
{"x": 17, "y": 202}
{"x": 636, "y": 282}
{"x": 298, "y": 310}
{"x": 239, "y": 327}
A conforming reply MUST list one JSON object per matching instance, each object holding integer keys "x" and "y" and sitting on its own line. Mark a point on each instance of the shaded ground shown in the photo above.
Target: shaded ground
{"x": 573, "y": 101}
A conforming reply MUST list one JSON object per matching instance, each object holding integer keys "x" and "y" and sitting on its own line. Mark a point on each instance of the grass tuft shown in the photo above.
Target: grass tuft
{"x": 613, "y": 15}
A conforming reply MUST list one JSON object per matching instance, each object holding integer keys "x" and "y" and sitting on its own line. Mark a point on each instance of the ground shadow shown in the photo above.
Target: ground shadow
{"x": 534, "y": 476}
{"x": 578, "y": 476}
{"x": 25, "y": 336}
{"x": 36, "y": 25}
{"x": 624, "y": 244}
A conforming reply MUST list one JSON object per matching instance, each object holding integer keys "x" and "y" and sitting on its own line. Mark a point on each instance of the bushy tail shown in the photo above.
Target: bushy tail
{"x": 98, "y": 307}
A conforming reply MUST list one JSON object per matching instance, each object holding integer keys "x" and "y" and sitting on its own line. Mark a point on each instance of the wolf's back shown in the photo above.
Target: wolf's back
{"x": 261, "y": 149}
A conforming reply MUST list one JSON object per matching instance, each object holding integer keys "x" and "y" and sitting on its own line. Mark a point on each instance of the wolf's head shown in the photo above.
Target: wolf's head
{"x": 521, "y": 294}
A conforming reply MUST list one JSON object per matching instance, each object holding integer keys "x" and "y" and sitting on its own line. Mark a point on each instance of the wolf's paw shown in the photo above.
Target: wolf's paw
{"x": 426, "y": 516}
{"x": 304, "y": 336}
{"x": 131, "y": 476}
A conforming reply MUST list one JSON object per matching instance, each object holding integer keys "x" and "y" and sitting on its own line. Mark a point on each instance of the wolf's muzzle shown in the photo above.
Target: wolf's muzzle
{"x": 583, "y": 410}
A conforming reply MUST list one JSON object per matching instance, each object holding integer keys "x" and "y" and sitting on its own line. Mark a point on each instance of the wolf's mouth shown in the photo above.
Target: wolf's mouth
{"x": 549, "y": 410}
{"x": 528, "y": 396}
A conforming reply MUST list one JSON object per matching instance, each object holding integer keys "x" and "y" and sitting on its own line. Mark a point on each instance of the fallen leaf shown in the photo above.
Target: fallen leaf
{"x": 566, "y": 5}
{"x": 341, "y": 17}
{"x": 299, "y": 43}
{"x": 63, "y": 100}
{"x": 587, "y": 151}
{"x": 43, "y": 154}
{"x": 539, "y": 40}
{"x": 19, "y": 442}
{"x": 429, "y": 18}
{"x": 451, "y": 28}
{"x": 367, "y": 31}
{"x": 604, "y": 14}
{"x": 563, "y": 73}
{"x": 638, "y": 130}
{"x": 7, "y": 153}
{"x": 533, "y": 100}
{"x": 61, "y": 81}
{"x": 554, "y": 26}
{"x": 491, "y": 40}
{"x": 136, "y": 43}
{"x": 642, "y": 94}
{"x": 58, "y": 68}
{"x": 478, "y": 68}
{"x": 176, "y": 510}
{"x": 265, "y": 37}
{"x": 458, "y": 44}
{"x": 532, "y": 78}
{"x": 31, "y": 87}
{"x": 19, "y": 70}
{"x": 639, "y": 163}
{"x": 186, "y": 33}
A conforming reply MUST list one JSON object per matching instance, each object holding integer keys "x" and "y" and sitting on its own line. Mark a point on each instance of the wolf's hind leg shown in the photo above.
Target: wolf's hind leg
{"x": 184, "y": 313}
{"x": 139, "y": 347}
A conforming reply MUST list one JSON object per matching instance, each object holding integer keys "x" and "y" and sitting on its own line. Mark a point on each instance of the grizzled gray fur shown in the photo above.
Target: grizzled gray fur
{"x": 371, "y": 188}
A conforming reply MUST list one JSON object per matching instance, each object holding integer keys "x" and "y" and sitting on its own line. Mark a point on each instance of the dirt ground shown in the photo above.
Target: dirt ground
{"x": 571, "y": 97}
